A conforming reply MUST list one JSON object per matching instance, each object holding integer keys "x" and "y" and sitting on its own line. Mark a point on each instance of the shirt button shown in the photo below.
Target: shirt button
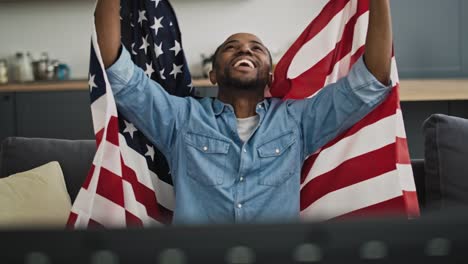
{"x": 244, "y": 150}
{"x": 277, "y": 151}
{"x": 241, "y": 179}
{"x": 205, "y": 148}
{"x": 239, "y": 205}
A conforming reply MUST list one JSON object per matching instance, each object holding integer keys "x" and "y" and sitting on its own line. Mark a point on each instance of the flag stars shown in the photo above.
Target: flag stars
{"x": 141, "y": 17}
{"x": 145, "y": 44}
{"x": 190, "y": 85}
{"x": 149, "y": 69}
{"x": 158, "y": 49}
{"x": 150, "y": 152}
{"x": 176, "y": 69}
{"x": 161, "y": 72}
{"x": 133, "y": 49}
{"x": 129, "y": 128}
{"x": 176, "y": 48}
{"x": 91, "y": 82}
{"x": 156, "y": 3}
{"x": 157, "y": 25}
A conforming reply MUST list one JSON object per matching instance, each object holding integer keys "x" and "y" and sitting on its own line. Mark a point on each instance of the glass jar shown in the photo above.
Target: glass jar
{"x": 3, "y": 72}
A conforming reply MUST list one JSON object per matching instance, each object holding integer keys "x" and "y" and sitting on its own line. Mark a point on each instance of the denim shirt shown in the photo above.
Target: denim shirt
{"x": 217, "y": 177}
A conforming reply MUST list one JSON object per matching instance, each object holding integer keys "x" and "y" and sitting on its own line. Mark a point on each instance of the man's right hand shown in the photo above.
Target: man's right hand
{"x": 107, "y": 19}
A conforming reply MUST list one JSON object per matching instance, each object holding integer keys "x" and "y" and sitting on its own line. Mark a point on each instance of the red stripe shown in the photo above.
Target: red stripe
{"x": 110, "y": 186}
{"x": 392, "y": 207}
{"x": 412, "y": 204}
{"x": 349, "y": 172}
{"x": 99, "y": 136}
{"x": 112, "y": 135}
{"x": 145, "y": 196}
{"x": 132, "y": 220}
{"x": 71, "y": 220}
{"x": 89, "y": 177}
{"x": 402, "y": 153}
{"x": 281, "y": 84}
{"x": 92, "y": 224}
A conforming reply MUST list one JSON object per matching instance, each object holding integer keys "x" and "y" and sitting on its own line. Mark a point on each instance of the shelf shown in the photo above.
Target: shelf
{"x": 411, "y": 90}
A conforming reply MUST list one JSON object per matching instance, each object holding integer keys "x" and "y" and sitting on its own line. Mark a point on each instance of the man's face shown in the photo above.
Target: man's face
{"x": 242, "y": 62}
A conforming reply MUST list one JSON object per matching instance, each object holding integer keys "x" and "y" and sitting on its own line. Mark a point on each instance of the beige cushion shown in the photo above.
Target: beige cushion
{"x": 34, "y": 198}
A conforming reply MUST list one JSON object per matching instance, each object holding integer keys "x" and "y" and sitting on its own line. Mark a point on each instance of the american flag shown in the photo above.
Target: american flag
{"x": 366, "y": 170}
{"x": 129, "y": 183}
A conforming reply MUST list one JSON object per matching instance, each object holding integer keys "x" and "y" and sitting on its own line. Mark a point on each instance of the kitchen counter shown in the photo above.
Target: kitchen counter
{"x": 411, "y": 89}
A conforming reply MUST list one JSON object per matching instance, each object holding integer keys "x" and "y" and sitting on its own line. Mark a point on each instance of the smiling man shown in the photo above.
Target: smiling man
{"x": 237, "y": 158}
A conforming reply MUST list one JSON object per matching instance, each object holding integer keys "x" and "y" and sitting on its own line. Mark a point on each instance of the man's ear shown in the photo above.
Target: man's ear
{"x": 213, "y": 77}
{"x": 270, "y": 79}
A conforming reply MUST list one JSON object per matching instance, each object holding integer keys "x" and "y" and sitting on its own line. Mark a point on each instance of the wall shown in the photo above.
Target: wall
{"x": 63, "y": 28}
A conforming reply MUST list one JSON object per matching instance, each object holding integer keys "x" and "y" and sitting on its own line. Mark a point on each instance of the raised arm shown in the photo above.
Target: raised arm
{"x": 379, "y": 40}
{"x": 107, "y": 17}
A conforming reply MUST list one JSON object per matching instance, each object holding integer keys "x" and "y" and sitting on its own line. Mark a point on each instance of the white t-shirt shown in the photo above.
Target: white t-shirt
{"x": 245, "y": 126}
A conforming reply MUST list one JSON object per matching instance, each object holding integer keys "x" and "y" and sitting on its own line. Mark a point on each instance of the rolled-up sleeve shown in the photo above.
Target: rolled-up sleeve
{"x": 145, "y": 103}
{"x": 337, "y": 106}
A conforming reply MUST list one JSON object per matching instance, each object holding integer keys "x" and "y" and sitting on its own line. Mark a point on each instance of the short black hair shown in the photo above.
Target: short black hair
{"x": 215, "y": 56}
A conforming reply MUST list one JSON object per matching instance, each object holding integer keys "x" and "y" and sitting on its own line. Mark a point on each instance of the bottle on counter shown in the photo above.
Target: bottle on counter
{"x": 3, "y": 72}
{"x": 23, "y": 68}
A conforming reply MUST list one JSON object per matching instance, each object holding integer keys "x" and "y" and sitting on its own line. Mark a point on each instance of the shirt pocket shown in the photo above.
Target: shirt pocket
{"x": 277, "y": 159}
{"x": 206, "y": 158}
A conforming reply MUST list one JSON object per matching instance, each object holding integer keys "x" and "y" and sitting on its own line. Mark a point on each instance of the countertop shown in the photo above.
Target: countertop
{"x": 410, "y": 89}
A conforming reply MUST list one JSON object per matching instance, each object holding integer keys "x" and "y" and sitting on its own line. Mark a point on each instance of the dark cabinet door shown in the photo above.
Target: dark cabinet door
{"x": 7, "y": 115}
{"x": 64, "y": 115}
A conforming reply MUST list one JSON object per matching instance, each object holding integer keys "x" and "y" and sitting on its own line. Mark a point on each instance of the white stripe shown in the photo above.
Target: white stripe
{"x": 89, "y": 204}
{"x": 405, "y": 173}
{"x": 111, "y": 158}
{"x": 342, "y": 67}
{"x": 108, "y": 213}
{"x": 400, "y": 125}
{"x": 135, "y": 161}
{"x": 111, "y": 109}
{"x": 354, "y": 197}
{"x": 323, "y": 43}
{"x": 164, "y": 192}
{"x": 98, "y": 111}
{"x": 369, "y": 138}
{"x": 394, "y": 73}
{"x": 135, "y": 207}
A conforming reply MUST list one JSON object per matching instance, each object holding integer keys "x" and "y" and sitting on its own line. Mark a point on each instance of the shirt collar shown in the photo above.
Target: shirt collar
{"x": 218, "y": 106}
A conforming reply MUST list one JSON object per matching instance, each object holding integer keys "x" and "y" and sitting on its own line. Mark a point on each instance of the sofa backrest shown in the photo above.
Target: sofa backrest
{"x": 74, "y": 156}
{"x": 446, "y": 161}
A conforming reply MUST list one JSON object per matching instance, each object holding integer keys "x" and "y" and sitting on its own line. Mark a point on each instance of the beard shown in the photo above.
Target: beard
{"x": 257, "y": 83}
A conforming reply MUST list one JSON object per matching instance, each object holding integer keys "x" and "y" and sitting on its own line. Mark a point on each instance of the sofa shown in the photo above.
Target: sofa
{"x": 441, "y": 178}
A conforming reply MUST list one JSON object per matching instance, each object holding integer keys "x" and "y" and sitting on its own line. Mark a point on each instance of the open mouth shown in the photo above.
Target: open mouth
{"x": 244, "y": 63}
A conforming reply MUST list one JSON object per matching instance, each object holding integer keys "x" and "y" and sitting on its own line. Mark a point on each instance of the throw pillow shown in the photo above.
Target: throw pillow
{"x": 446, "y": 161}
{"x": 34, "y": 198}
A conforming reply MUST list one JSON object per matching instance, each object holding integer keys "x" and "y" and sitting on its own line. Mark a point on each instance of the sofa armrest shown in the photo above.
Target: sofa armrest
{"x": 420, "y": 181}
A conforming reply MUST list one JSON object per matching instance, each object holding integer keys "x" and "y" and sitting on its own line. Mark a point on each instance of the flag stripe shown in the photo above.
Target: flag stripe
{"x": 312, "y": 51}
{"x": 349, "y": 172}
{"x": 368, "y": 139}
{"x": 370, "y": 192}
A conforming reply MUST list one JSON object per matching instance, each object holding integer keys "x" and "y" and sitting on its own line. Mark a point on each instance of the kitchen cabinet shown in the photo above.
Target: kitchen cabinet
{"x": 53, "y": 114}
{"x": 58, "y": 114}
{"x": 7, "y": 115}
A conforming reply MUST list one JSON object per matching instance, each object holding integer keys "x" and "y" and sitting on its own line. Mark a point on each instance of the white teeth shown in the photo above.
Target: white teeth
{"x": 251, "y": 65}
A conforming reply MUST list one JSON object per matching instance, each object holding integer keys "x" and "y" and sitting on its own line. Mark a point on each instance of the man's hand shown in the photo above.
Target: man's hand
{"x": 379, "y": 40}
{"x": 107, "y": 17}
